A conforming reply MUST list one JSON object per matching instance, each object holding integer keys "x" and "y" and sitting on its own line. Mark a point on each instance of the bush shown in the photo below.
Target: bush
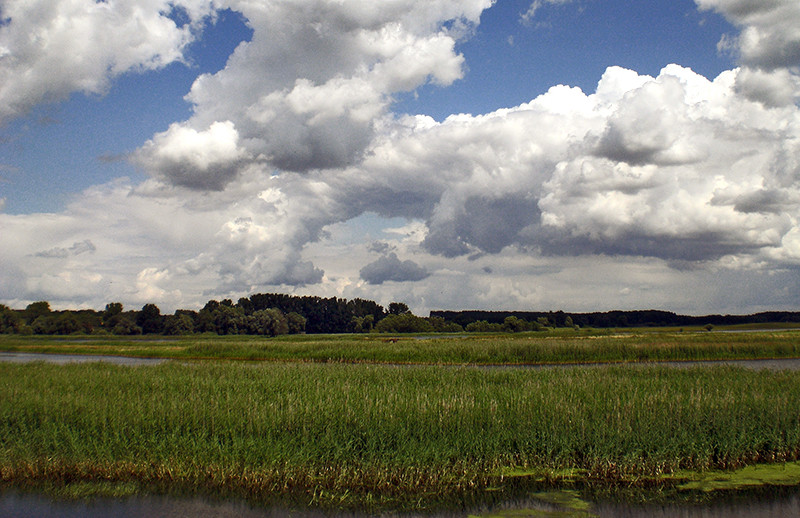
{"x": 404, "y": 323}
{"x": 482, "y": 326}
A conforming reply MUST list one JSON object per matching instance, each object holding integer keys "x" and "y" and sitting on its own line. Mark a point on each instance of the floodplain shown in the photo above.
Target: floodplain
{"x": 557, "y": 346}
{"x": 375, "y": 422}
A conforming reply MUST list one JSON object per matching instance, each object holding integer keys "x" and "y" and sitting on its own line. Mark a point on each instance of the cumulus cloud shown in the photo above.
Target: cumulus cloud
{"x": 773, "y": 89}
{"x": 769, "y": 38}
{"x": 309, "y": 89}
{"x": 204, "y": 160}
{"x": 49, "y": 49}
{"x": 661, "y": 167}
{"x": 390, "y": 268}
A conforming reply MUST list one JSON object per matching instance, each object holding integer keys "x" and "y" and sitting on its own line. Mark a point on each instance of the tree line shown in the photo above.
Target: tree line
{"x": 269, "y": 314}
{"x": 273, "y": 314}
{"x": 637, "y": 318}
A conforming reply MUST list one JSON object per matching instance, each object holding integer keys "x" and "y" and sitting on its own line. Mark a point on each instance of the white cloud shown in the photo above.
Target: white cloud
{"x": 205, "y": 160}
{"x": 770, "y": 36}
{"x": 660, "y": 167}
{"x": 309, "y": 88}
{"x": 773, "y": 89}
{"x": 390, "y": 268}
{"x": 50, "y": 48}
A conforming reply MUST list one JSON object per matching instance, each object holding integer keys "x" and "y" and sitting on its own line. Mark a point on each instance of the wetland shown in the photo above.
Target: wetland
{"x": 338, "y": 429}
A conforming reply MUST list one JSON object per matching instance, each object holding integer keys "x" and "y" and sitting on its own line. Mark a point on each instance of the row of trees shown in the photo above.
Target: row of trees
{"x": 260, "y": 314}
{"x": 37, "y": 318}
{"x": 637, "y": 318}
{"x": 274, "y": 314}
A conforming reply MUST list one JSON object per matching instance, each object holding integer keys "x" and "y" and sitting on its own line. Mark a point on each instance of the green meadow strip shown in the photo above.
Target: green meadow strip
{"x": 361, "y": 434}
{"x": 561, "y": 346}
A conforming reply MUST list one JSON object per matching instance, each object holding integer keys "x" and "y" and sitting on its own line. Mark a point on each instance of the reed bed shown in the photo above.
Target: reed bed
{"x": 561, "y": 346}
{"x": 339, "y": 434}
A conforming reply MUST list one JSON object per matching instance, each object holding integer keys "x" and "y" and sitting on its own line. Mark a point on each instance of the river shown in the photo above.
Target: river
{"x": 14, "y": 504}
{"x": 77, "y": 358}
{"x": 771, "y": 364}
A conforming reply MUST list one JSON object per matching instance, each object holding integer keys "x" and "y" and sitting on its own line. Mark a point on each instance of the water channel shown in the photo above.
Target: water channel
{"x": 771, "y": 364}
{"x": 15, "y": 504}
{"x": 77, "y": 358}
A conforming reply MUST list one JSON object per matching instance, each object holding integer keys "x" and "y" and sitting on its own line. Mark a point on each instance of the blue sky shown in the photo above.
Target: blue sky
{"x": 437, "y": 152}
{"x": 510, "y": 62}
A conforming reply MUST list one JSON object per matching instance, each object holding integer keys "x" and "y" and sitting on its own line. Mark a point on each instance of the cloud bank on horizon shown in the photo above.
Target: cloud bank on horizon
{"x": 294, "y": 173}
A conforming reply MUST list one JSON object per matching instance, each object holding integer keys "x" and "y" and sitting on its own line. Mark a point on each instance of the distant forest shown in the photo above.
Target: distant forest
{"x": 638, "y": 318}
{"x": 274, "y": 314}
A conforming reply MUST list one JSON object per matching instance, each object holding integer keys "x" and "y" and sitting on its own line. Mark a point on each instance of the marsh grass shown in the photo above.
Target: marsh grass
{"x": 560, "y": 346}
{"x": 378, "y": 435}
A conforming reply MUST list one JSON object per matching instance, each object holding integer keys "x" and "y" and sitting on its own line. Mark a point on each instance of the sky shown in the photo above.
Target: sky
{"x": 576, "y": 155}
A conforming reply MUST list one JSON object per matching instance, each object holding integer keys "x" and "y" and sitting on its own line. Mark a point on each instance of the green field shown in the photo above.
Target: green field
{"x": 392, "y": 436}
{"x": 559, "y": 346}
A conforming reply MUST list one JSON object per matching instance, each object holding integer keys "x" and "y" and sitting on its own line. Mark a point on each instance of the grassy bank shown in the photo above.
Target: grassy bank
{"x": 561, "y": 346}
{"x": 380, "y": 435}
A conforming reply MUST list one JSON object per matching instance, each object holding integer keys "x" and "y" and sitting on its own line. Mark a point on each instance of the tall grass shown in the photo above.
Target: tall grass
{"x": 392, "y": 432}
{"x": 525, "y": 348}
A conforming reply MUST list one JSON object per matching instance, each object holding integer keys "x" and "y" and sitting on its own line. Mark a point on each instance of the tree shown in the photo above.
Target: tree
{"x": 10, "y": 321}
{"x": 63, "y": 323}
{"x": 543, "y": 321}
{"x": 35, "y": 310}
{"x": 246, "y": 305}
{"x": 404, "y": 323}
{"x": 229, "y": 320}
{"x": 270, "y": 322}
{"x": 482, "y": 326}
{"x": 125, "y": 326}
{"x": 150, "y": 320}
{"x": 178, "y": 324}
{"x": 112, "y": 309}
{"x": 513, "y": 324}
{"x": 297, "y": 323}
{"x": 398, "y": 308}
{"x": 362, "y": 324}
{"x": 440, "y": 325}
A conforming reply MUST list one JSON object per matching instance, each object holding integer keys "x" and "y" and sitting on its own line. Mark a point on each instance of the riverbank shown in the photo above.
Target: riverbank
{"x": 380, "y": 436}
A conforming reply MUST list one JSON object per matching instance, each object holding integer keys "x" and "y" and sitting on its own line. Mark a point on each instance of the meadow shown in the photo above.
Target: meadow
{"x": 383, "y": 436}
{"x": 554, "y": 347}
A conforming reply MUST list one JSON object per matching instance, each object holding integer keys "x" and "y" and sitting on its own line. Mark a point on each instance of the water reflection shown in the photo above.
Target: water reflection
{"x": 28, "y": 505}
{"x": 752, "y": 508}
{"x": 756, "y": 364}
{"x": 76, "y": 358}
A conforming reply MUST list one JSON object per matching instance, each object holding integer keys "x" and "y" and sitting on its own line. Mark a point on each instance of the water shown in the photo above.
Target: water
{"x": 771, "y": 364}
{"x": 76, "y": 358}
{"x": 15, "y": 504}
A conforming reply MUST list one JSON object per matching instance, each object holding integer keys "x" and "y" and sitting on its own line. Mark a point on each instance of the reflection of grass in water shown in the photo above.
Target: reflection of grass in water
{"x": 566, "y": 504}
{"x": 568, "y": 499}
{"x": 82, "y": 490}
{"x": 785, "y": 474}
